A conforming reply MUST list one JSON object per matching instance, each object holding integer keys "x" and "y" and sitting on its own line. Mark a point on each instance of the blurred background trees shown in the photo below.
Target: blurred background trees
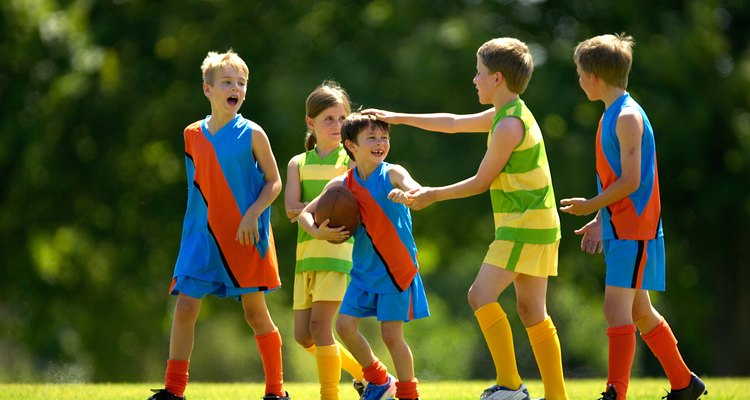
{"x": 95, "y": 96}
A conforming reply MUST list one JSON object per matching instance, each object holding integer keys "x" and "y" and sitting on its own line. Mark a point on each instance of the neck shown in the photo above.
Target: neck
{"x": 364, "y": 171}
{"x": 504, "y": 98}
{"x": 324, "y": 150}
{"x": 610, "y": 95}
{"x": 217, "y": 120}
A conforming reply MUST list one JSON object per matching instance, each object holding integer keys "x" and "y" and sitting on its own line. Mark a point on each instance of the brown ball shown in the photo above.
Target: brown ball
{"x": 340, "y": 206}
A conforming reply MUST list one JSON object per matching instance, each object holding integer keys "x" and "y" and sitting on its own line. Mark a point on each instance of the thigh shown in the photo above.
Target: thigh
{"x": 489, "y": 283}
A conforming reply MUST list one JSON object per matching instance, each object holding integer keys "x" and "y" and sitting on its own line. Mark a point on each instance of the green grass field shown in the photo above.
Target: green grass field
{"x": 640, "y": 389}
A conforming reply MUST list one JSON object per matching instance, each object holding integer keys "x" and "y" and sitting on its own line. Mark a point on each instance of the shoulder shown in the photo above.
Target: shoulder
{"x": 630, "y": 120}
{"x": 192, "y": 128}
{"x": 297, "y": 160}
{"x": 396, "y": 172}
{"x": 509, "y": 130}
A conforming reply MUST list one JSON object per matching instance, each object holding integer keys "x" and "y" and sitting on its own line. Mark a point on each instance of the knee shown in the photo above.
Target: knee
{"x": 345, "y": 329}
{"x": 476, "y": 298}
{"x": 391, "y": 339}
{"x": 186, "y": 311}
{"x": 530, "y": 314}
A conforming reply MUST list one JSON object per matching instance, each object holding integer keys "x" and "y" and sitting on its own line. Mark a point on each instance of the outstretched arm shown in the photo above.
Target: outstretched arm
{"x": 402, "y": 183}
{"x": 438, "y": 122}
{"x": 506, "y": 136}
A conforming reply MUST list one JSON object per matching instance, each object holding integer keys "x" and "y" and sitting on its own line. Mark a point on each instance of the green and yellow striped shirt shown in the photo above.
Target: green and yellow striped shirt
{"x": 314, "y": 174}
{"x": 523, "y": 201}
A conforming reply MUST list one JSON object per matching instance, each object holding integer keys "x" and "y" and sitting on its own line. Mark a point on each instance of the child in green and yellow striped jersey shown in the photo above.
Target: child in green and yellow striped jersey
{"x": 322, "y": 268}
{"x": 527, "y": 227}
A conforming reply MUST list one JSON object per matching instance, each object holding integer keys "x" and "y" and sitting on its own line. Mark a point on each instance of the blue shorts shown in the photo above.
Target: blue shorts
{"x": 405, "y": 306}
{"x": 635, "y": 264}
{"x": 199, "y": 288}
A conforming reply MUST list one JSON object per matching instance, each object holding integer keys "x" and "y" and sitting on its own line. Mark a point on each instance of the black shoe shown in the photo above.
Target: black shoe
{"x": 359, "y": 386}
{"x": 276, "y": 397}
{"x": 609, "y": 394}
{"x": 163, "y": 394}
{"x": 693, "y": 391}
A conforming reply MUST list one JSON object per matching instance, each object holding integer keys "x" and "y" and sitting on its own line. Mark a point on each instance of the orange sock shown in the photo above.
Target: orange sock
{"x": 269, "y": 346}
{"x": 376, "y": 373}
{"x": 407, "y": 390}
{"x": 621, "y": 353}
{"x": 176, "y": 378}
{"x": 663, "y": 344}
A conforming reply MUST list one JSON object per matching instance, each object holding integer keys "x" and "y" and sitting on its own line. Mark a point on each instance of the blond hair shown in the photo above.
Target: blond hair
{"x": 326, "y": 95}
{"x": 608, "y": 56}
{"x": 214, "y": 61}
{"x": 512, "y": 58}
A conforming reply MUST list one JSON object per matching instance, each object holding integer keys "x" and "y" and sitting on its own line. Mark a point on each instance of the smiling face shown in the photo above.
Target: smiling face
{"x": 228, "y": 90}
{"x": 370, "y": 147}
{"x": 327, "y": 125}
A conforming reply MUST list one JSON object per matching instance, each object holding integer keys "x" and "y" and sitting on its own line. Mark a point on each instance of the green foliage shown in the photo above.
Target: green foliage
{"x": 96, "y": 94}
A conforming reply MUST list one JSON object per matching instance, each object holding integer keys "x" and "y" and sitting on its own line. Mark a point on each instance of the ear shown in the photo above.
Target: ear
{"x": 349, "y": 145}
{"x": 309, "y": 123}
{"x": 499, "y": 78}
{"x": 206, "y": 90}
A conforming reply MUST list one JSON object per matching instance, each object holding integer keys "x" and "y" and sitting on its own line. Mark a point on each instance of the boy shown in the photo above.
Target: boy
{"x": 227, "y": 246}
{"x": 627, "y": 225}
{"x": 385, "y": 282}
{"x": 527, "y": 227}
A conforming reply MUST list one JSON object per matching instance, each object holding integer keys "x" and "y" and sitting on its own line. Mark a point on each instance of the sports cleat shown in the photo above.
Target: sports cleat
{"x": 164, "y": 394}
{"x": 271, "y": 396}
{"x": 609, "y": 394}
{"x": 693, "y": 391}
{"x": 380, "y": 392}
{"x": 360, "y": 386}
{"x": 497, "y": 392}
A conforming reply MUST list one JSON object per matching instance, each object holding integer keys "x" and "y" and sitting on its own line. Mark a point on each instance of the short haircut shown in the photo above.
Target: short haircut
{"x": 608, "y": 56}
{"x": 326, "y": 95}
{"x": 512, "y": 58}
{"x": 357, "y": 123}
{"x": 214, "y": 61}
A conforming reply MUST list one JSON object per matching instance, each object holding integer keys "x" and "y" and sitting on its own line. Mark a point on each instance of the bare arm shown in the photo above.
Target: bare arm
{"x": 307, "y": 220}
{"x": 247, "y": 232}
{"x": 402, "y": 182}
{"x": 439, "y": 122}
{"x": 506, "y": 136}
{"x": 630, "y": 134}
{"x": 293, "y": 193}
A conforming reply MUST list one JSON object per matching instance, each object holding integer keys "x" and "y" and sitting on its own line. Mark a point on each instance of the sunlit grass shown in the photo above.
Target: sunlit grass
{"x": 589, "y": 389}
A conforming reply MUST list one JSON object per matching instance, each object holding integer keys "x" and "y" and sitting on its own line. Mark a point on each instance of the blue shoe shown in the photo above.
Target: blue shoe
{"x": 498, "y": 392}
{"x": 380, "y": 392}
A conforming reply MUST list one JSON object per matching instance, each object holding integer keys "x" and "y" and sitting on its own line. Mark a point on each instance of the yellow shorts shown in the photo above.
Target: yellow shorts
{"x": 524, "y": 258}
{"x": 312, "y": 286}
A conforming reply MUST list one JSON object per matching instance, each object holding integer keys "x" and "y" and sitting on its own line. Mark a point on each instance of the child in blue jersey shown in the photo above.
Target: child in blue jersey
{"x": 322, "y": 268}
{"x": 516, "y": 173}
{"x": 227, "y": 247}
{"x": 628, "y": 224}
{"x": 385, "y": 281}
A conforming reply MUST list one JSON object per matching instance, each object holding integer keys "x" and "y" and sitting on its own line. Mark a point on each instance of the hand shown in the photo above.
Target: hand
{"x": 382, "y": 115}
{"x": 576, "y": 206}
{"x": 398, "y": 196}
{"x": 591, "y": 242}
{"x": 247, "y": 233}
{"x": 324, "y": 232}
{"x": 293, "y": 214}
{"x": 421, "y": 197}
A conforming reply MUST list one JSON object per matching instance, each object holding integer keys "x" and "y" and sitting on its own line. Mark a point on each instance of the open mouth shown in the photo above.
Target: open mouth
{"x": 232, "y": 101}
{"x": 378, "y": 153}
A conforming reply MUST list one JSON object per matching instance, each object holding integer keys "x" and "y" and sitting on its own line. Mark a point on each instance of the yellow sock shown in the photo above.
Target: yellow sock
{"x": 546, "y": 346}
{"x": 350, "y": 364}
{"x": 329, "y": 371}
{"x": 499, "y": 337}
{"x": 310, "y": 349}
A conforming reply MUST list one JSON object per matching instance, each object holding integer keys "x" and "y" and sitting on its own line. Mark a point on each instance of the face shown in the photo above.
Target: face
{"x": 327, "y": 125}
{"x": 228, "y": 90}
{"x": 586, "y": 81}
{"x": 485, "y": 82}
{"x": 371, "y": 148}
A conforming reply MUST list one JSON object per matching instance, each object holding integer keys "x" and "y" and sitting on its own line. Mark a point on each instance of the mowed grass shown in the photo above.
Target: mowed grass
{"x": 589, "y": 389}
